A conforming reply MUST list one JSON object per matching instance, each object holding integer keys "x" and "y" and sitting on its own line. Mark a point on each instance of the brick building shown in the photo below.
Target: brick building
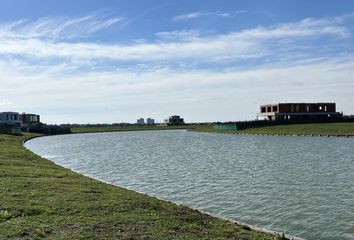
{"x": 299, "y": 111}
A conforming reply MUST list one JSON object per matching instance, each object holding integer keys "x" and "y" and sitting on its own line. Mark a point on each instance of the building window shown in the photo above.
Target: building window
{"x": 275, "y": 108}
{"x": 269, "y": 109}
{"x": 263, "y": 109}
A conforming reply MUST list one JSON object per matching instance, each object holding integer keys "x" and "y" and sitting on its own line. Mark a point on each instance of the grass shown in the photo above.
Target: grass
{"x": 41, "y": 200}
{"x": 125, "y": 128}
{"x": 300, "y": 129}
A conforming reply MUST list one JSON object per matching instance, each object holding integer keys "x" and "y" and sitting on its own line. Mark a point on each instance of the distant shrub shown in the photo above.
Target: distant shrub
{"x": 5, "y": 215}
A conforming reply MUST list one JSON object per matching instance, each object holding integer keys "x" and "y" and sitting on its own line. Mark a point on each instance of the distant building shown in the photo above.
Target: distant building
{"x": 299, "y": 111}
{"x": 140, "y": 121}
{"x": 10, "y": 123}
{"x": 175, "y": 120}
{"x": 10, "y": 118}
{"x": 150, "y": 121}
{"x": 29, "y": 120}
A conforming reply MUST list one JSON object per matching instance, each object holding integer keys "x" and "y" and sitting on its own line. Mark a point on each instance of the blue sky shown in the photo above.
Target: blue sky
{"x": 116, "y": 61}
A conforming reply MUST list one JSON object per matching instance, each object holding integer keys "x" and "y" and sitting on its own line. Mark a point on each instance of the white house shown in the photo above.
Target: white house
{"x": 10, "y": 118}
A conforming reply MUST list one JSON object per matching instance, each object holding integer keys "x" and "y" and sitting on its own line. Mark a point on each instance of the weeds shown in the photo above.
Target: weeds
{"x": 5, "y": 215}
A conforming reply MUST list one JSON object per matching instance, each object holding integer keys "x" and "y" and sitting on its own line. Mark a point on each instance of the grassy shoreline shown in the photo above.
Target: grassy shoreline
{"x": 41, "y": 200}
{"x": 325, "y": 129}
{"x": 127, "y": 128}
{"x": 330, "y": 129}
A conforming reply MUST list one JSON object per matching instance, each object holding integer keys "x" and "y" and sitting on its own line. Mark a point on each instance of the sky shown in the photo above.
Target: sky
{"x": 109, "y": 61}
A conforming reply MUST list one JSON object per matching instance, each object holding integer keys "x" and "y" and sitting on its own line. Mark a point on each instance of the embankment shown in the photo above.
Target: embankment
{"x": 40, "y": 199}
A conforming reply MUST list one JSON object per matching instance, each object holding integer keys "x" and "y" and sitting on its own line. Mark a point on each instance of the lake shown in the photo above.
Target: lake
{"x": 301, "y": 185}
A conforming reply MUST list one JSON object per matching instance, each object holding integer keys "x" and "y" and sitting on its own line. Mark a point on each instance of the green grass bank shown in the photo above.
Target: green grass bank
{"x": 41, "y": 200}
{"x": 332, "y": 129}
{"x": 127, "y": 128}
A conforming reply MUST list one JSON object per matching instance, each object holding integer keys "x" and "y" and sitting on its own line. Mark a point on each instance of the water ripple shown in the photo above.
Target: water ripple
{"x": 301, "y": 184}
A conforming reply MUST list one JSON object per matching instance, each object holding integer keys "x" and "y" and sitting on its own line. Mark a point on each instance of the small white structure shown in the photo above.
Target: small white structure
{"x": 150, "y": 121}
{"x": 140, "y": 121}
{"x": 10, "y": 118}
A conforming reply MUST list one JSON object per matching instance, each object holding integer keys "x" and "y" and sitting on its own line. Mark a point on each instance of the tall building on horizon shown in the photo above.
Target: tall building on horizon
{"x": 140, "y": 121}
{"x": 150, "y": 121}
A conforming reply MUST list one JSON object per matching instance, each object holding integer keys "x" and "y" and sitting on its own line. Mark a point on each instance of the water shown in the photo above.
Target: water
{"x": 303, "y": 185}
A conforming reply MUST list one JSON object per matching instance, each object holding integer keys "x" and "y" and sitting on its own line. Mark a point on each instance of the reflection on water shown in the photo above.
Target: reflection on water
{"x": 304, "y": 185}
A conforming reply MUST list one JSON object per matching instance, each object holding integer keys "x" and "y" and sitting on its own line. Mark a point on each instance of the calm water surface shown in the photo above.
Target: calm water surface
{"x": 303, "y": 185}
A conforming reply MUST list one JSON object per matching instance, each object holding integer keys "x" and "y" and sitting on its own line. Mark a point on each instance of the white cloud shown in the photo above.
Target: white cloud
{"x": 57, "y": 27}
{"x": 230, "y": 14}
{"x": 172, "y": 46}
{"x": 193, "y": 15}
{"x": 181, "y": 35}
{"x": 74, "y": 81}
{"x": 199, "y": 95}
{"x": 190, "y": 15}
{"x": 5, "y": 104}
{"x": 305, "y": 28}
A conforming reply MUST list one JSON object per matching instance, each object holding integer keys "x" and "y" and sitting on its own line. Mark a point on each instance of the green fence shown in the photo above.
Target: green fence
{"x": 225, "y": 127}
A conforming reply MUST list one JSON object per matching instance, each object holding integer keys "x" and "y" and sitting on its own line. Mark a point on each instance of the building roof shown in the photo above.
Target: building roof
{"x": 294, "y": 103}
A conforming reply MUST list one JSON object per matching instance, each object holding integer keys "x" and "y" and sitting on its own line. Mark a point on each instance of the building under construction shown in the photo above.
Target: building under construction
{"x": 299, "y": 112}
